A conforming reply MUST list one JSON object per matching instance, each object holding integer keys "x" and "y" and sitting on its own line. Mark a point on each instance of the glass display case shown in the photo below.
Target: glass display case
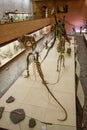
{"x": 7, "y": 52}
{"x": 14, "y": 16}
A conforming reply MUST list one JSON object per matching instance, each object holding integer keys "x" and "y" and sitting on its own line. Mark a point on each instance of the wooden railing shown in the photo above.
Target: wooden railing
{"x": 11, "y": 31}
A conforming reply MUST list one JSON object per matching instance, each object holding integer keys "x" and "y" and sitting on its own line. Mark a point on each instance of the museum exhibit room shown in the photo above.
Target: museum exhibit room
{"x": 43, "y": 64}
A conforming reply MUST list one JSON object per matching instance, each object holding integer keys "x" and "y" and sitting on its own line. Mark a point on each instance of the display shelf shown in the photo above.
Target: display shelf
{"x": 9, "y": 60}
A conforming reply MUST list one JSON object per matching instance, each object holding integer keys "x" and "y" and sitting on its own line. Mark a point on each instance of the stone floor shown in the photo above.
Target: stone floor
{"x": 82, "y": 57}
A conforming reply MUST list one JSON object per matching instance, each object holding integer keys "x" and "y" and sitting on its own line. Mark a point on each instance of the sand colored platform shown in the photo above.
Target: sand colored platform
{"x": 32, "y": 96}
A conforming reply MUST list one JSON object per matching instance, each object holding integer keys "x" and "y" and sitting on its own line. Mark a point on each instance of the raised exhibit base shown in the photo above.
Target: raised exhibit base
{"x": 32, "y": 96}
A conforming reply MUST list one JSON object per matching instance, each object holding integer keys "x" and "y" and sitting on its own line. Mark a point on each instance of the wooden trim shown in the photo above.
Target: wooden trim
{"x": 11, "y": 31}
{"x": 7, "y": 42}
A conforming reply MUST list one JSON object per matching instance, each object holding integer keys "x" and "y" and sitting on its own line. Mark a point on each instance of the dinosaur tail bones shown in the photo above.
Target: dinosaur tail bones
{"x": 38, "y": 65}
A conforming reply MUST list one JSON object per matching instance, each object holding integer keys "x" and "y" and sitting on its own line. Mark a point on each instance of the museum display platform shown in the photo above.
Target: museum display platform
{"x": 31, "y": 95}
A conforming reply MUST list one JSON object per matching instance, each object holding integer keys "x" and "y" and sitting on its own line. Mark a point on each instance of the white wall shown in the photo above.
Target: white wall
{"x": 11, "y": 5}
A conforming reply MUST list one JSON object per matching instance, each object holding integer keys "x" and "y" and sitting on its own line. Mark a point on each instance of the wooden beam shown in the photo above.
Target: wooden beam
{"x": 11, "y": 31}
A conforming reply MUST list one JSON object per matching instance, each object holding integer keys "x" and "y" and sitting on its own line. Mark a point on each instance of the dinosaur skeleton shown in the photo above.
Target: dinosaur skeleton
{"x": 60, "y": 33}
{"x": 28, "y": 42}
{"x": 61, "y": 50}
{"x": 28, "y": 39}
